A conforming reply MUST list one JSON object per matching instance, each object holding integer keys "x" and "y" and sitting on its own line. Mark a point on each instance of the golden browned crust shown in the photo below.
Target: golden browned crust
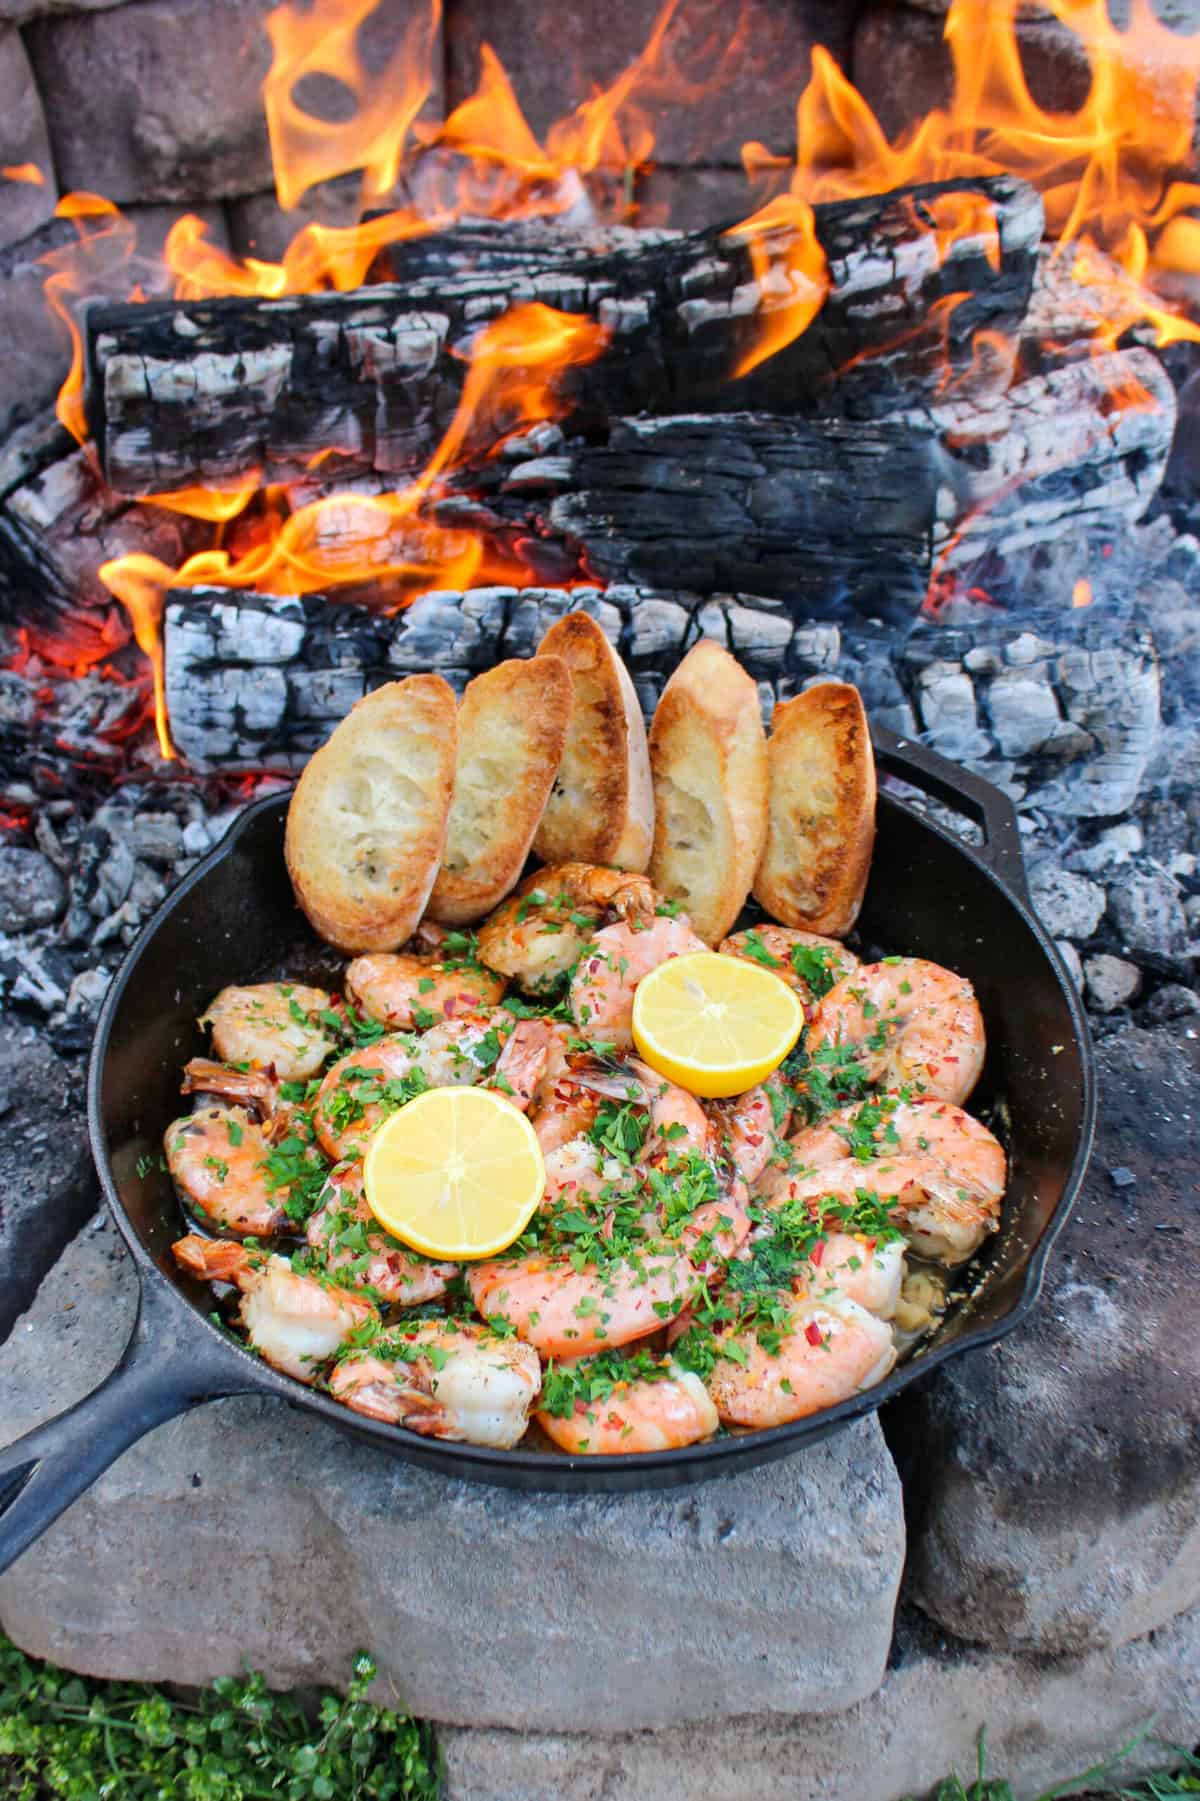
{"x": 367, "y": 820}
{"x": 821, "y": 814}
{"x": 601, "y": 808}
{"x": 512, "y": 726}
{"x": 708, "y": 755}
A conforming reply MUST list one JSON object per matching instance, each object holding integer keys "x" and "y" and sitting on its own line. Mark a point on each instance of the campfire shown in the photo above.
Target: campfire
{"x": 913, "y": 415}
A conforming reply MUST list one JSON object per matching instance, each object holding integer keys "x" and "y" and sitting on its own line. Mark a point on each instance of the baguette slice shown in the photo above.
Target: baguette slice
{"x": 512, "y": 726}
{"x": 367, "y": 820}
{"x": 708, "y": 752}
{"x": 821, "y": 827}
{"x": 601, "y": 809}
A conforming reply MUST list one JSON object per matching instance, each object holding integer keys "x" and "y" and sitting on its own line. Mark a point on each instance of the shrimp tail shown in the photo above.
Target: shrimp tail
{"x": 213, "y": 1259}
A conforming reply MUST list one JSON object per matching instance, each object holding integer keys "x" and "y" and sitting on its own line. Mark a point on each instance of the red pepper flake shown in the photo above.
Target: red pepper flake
{"x": 813, "y": 1333}
{"x": 817, "y": 1256}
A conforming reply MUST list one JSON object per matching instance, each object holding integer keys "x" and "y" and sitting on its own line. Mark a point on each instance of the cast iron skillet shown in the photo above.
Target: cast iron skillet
{"x": 234, "y": 917}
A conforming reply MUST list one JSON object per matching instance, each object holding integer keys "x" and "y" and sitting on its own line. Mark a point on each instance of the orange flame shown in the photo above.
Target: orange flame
{"x": 105, "y": 243}
{"x": 1081, "y": 593}
{"x": 385, "y": 540}
{"x": 24, "y": 172}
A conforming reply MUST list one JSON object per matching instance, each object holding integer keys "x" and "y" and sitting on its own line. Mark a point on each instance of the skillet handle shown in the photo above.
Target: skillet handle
{"x": 956, "y": 787}
{"x": 157, "y": 1378}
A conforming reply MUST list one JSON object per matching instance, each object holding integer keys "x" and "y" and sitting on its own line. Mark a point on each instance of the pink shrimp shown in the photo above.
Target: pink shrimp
{"x": 632, "y": 1411}
{"x": 831, "y": 1349}
{"x": 940, "y": 1219}
{"x": 444, "y": 1379}
{"x": 358, "y": 1094}
{"x": 746, "y": 1126}
{"x": 564, "y": 1312}
{"x": 403, "y": 990}
{"x": 804, "y": 960}
{"x": 860, "y": 1268}
{"x": 400, "y": 1277}
{"x": 603, "y": 985}
{"x": 271, "y": 1025}
{"x": 295, "y": 1322}
{"x": 217, "y": 1157}
{"x": 909, "y": 1023}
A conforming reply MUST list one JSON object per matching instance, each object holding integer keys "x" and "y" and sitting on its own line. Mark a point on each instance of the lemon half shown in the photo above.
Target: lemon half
{"x": 714, "y": 1025}
{"x": 457, "y": 1173}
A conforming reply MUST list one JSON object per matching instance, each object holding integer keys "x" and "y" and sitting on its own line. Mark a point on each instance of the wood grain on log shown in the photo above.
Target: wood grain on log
{"x": 201, "y": 391}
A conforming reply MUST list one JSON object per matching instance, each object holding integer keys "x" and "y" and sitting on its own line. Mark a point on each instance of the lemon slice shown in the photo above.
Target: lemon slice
{"x": 714, "y": 1025}
{"x": 456, "y": 1173}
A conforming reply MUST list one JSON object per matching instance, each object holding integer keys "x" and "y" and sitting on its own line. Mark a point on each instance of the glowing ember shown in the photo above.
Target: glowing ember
{"x": 28, "y": 172}
{"x": 1081, "y": 593}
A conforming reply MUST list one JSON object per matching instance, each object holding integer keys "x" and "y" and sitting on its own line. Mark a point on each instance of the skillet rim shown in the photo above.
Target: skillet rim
{"x": 545, "y": 1470}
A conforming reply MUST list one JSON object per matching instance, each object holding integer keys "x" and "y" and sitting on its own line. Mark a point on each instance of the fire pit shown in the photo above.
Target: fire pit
{"x": 908, "y": 400}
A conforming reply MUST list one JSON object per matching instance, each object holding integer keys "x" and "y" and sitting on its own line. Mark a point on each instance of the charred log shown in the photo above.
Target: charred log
{"x": 202, "y": 391}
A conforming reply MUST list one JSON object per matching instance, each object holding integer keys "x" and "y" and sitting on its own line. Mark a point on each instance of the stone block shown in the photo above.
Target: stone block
{"x": 690, "y": 199}
{"x": 24, "y": 205}
{"x": 901, "y": 63}
{"x": 248, "y": 1532}
{"x": 132, "y": 118}
{"x": 1053, "y": 1481}
{"x": 1045, "y": 1723}
{"x": 47, "y": 1185}
{"x": 38, "y": 354}
{"x": 1147, "y": 911}
{"x": 556, "y": 57}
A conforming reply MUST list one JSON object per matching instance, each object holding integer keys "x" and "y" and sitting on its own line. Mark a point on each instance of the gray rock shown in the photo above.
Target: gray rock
{"x": 771, "y": 1589}
{"x": 24, "y": 205}
{"x": 1147, "y": 910}
{"x": 1111, "y": 982}
{"x": 131, "y": 118}
{"x": 1171, "y": 1001}
{"x": 1045, "y": 1723}
{"x": 1069, "y": 906}
{"x": 32, "y": 893}
{"x": 1052, "y": 1480}
{"x": 1024, "y": 712}
{"x": 47, "y": 1185}
{"x": 949, "y": 714}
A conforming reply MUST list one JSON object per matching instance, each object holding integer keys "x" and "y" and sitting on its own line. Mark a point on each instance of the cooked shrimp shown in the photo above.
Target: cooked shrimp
{"x": 862, "y": 1269}
{"x": 576, "y": 1173}
{"x": 745, "y": 1125}
{"x": 602, "y": 987}
{"x": 564, "y": 1312}
{"x": 536, "y": 936}
{"x": 371, "y": 1259}
{"x": 460, "y": 1052}
{"x": 359, "y": 1093}
{"x": 972, "y": 1155}
{"x": 272, "y": 1025}
{"x": 612, "y": 1403}
{"x": 295, "y": 1322}
{"x": 831, "y": 1349}
{"x": 940, "y": 1218}
{"x": 807, "y": 962}
{"x": 217, "y": 1157}
{"x": 444, "y": 1379}
{"x": 676, "y": 1120}
{"x": 534, "y": 1048}
{"x": 907, "y": 1022}
{"x": 403, "y": 990}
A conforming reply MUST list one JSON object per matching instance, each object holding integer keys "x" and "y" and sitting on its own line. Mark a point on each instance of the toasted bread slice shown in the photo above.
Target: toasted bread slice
{"x": 367, "y": 821}
{"x": 601, "y": 808}
{"x": 821, "y": 812}
{"x": 512, "y": 726}
{"x": 708, "y": 752}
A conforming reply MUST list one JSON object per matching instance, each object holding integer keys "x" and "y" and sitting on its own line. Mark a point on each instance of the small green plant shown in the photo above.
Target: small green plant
{"x": 85, "y": 1740}
{"x": 1183, "y": 1778}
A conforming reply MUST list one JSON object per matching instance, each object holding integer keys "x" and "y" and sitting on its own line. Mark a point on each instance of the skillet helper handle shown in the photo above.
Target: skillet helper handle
{"x": 42, "y": 1473}
{"x": 980, "y": 800}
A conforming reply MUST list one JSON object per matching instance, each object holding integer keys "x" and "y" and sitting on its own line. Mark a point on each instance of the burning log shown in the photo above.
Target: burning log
{"x": 199, "y": 392}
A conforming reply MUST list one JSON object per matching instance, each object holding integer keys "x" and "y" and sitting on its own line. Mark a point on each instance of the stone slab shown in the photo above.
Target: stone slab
{"x": 133, "y": 119}
{"x": 246, "y": 1531}
{"x": 47, "y": 1184}
{"x": 1046, "y": 1721}
{"x": 24, "y": 205}
{"x": 1053, "y": 1481}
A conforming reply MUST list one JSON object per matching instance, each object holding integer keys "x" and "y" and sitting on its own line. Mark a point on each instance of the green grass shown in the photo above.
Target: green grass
{"x": 1181, "y": 1778}
{"x": 87, "y": 1740}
